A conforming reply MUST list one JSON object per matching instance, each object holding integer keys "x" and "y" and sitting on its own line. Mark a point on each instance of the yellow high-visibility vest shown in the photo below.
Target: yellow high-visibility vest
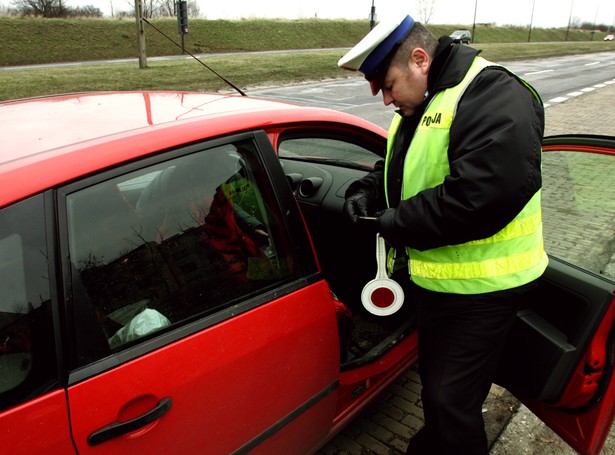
{"x": 510, "y": 258}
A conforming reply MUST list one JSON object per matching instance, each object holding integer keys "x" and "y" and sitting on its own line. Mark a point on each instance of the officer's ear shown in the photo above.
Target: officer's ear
{"x": 419, "y": 59}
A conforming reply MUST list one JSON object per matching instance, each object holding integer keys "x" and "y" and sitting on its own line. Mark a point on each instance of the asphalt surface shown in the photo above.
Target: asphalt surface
{"x": 387, "y": 425}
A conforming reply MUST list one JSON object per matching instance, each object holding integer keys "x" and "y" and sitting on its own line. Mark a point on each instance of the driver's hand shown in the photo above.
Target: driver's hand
{"x": 260, "y": 237}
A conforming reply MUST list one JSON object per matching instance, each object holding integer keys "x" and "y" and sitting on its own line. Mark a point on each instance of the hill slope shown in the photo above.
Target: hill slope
{"x": 28, "y": 41}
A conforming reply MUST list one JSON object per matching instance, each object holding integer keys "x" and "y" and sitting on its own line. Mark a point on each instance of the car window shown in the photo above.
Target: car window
{"x": 27, "y": 354}
{"x": 577, "y": 203}
{"x": 328, "y": 150}
{"x": 203, "y": 234}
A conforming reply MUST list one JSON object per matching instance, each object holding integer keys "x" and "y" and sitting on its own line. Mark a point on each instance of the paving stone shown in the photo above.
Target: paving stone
{"x": 347, "y": 446}
{"x": 373, "y": 445}
{"x": 396, "y": 427}
{"x": 375, "y": 429}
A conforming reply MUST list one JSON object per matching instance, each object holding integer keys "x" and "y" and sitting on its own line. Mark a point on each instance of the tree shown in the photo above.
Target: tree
{"x": 150, "y": 8}
{"x": 425, "y": 10}
{"x": 54, "y": 8}
{"x": 167, "y": 8}
{"x": 193, "y": 8}
{"x": 85, "y": 11}
{"x": 44, "y": 8}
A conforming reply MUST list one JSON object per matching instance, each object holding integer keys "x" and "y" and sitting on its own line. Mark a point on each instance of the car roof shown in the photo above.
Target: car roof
{"x": 35, "y": 125}
{"x": 46, "y": 141}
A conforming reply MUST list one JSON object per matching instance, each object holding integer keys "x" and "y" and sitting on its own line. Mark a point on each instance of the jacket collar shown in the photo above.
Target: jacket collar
{"x": 450, "y": 65}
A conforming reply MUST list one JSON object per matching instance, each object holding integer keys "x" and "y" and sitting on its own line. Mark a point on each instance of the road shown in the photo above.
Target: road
{"x": 153, "y": 59}
{"x": 557, "y": 79}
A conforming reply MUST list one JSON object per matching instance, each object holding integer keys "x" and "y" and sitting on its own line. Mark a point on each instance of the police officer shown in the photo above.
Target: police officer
{"x": 458, "y": 195}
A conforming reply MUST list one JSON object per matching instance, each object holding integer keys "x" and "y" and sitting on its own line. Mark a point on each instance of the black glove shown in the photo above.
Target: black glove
{"x": 385, "y": 221}
{"x": 357, "y": 205}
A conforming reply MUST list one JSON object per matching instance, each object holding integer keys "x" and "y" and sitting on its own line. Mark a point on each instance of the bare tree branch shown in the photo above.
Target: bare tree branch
{"x": 425, "y": 8}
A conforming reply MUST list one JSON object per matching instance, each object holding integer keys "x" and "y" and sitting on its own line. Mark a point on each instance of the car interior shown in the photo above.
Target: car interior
{"x": 347, "y": 255}
{"x": 319, "y": 169}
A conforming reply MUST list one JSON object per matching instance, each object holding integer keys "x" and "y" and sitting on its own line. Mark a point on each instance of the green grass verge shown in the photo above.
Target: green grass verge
{"x": 27, "y": 41}
{"x": 109, "y": 39}
{"x": 241, "y": 70}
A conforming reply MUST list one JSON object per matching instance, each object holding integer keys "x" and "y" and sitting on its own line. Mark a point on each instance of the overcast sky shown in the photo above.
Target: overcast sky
{"x": 546, "y": 13}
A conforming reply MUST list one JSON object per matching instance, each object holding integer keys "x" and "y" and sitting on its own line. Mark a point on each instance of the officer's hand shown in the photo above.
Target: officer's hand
{"x": 385, "y": 221}
{"x": 357, "y": 205}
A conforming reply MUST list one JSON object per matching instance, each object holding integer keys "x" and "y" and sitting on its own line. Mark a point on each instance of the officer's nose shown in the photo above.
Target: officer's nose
{"x": 386, "y": 97}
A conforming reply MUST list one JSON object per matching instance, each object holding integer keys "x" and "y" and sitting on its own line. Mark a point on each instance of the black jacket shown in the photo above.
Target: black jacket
{"x": 494, "y": 156}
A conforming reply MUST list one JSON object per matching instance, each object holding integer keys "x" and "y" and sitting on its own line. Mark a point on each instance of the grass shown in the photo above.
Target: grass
{"x": 241, "y": 70}
{"x": 28, "y": 41}
{"x": 32, "y": 41}
{"x": 35, "y": 41}
{"x": 506, "y": 52}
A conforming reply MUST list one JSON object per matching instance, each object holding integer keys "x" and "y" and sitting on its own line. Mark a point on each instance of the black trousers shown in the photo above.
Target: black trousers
{"x": 461, "y": 339}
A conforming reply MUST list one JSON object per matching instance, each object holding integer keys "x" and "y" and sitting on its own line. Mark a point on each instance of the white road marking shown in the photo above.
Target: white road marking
{"x": 538, "y": 72}
{"x": 561, "y": 99}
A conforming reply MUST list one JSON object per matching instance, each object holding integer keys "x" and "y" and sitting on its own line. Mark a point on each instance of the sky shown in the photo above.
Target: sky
{"x": 546, "y": 13}
{"x": 539, "y": 13}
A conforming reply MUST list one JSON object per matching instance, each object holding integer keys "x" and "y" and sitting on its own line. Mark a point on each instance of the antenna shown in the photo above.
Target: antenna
{"x": 230, "y": 84}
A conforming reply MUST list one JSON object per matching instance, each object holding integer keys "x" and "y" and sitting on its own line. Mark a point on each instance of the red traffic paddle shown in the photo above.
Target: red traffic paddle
{"x": 382, "y": 296}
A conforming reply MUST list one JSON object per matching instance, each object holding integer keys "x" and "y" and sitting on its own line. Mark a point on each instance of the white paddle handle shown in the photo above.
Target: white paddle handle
{"x": 381, "y": 257}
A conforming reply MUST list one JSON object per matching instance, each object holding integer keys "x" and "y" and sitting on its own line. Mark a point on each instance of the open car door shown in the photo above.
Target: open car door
{"x": 559, "y": 359}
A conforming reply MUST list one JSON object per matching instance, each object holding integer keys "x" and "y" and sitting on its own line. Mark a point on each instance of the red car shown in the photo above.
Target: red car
{"x": 177, "y": 277}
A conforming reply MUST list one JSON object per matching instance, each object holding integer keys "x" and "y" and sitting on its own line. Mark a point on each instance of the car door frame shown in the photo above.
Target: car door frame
{"x": 316, "y": 405}
{"x": 577, "y": 396}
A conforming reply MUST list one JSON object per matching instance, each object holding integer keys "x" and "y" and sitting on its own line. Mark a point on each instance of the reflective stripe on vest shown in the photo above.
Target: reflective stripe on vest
{"x": 510, "y": 258}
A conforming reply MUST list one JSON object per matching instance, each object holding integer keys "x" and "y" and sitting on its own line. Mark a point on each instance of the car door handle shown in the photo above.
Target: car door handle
{"x": 119, "y": 428}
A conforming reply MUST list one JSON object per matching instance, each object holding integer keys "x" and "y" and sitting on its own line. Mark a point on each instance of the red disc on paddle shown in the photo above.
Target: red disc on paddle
{"x": 382, "y": 297}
